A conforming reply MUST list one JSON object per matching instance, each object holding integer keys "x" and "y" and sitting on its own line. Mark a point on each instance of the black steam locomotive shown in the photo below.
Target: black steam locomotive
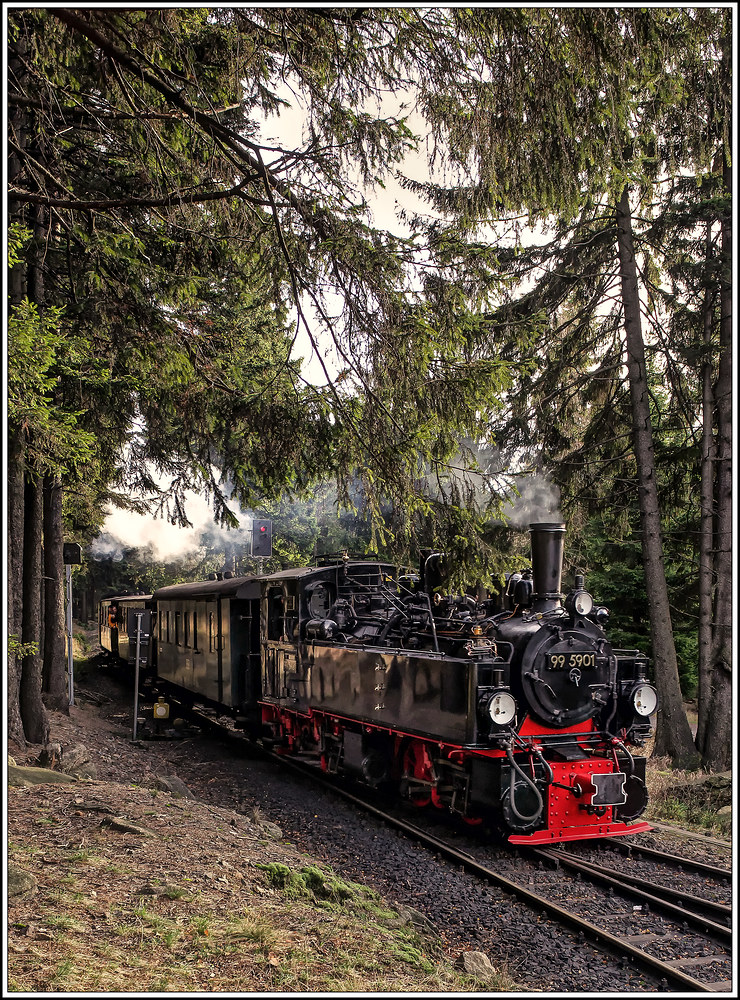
{"x": 513, "y": 710}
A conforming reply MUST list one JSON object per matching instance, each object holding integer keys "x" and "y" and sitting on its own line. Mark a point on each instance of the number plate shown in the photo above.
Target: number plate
{"x": 585, "y": 660}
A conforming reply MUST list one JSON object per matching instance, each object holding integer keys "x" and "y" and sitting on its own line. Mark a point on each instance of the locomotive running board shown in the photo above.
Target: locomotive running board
{"x": 579, "y": 833}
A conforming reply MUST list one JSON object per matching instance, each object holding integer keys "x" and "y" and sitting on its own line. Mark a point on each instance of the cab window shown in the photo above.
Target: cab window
{"x": 275, "y": 612}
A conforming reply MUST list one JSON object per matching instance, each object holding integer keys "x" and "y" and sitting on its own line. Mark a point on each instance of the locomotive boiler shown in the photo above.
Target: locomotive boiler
{"x": 514, "y": 711}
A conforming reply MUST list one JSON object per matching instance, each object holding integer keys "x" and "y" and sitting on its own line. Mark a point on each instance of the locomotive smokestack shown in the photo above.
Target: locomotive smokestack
{"x": 547, "y": 564}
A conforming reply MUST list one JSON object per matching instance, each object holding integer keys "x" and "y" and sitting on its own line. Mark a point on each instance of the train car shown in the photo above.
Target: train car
{"x": 120, "y": 619}
{"x": 207, "y": 642}
{"x": 518, "y": 713}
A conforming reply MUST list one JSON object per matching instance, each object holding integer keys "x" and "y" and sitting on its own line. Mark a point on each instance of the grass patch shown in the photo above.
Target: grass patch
{"x": 310, "y": 882}
{"x": 691, "y": 799}
{"x": 254, "y": 930}
{"x": 261, "y": 928}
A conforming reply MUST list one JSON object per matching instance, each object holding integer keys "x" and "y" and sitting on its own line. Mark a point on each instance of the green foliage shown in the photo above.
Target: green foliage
{"x": 189, "y": 252}
{"x": 39, "y": 355}
{"x": 614, "y": 572}
{"x": 18, "y": 648}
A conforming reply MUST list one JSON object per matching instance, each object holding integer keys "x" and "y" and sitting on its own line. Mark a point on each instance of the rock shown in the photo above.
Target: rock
{"x": 475, "y": 963}
{"x": 126, "y": 826}
{"x": 270, "y": 829}
{"x": 11, "y": 760}
{"x": 708, "y": 791}
{"x": 172, "y": 784}
{"x": 414, "y": 917}
{"x": 76, "y": 760}
{"x": 20, "y": 882}
{"x": 20, "y": 776}
{"x": 50, "y": 755}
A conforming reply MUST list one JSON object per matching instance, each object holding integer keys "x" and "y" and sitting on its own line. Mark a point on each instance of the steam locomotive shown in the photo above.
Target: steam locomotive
{"x": 513, "y": 710}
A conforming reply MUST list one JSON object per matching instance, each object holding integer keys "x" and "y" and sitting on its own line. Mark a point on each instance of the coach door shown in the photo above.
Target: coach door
{"x": 244, "y": 688}
{"x": 212, "y": 645}
{"x": 280, "y": 648}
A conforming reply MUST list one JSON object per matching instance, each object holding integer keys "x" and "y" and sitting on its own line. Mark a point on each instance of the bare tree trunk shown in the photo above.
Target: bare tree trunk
{"x": 15, "y": 451}
{"x": 706, "y": 540}
{"x": 16, "y": 502}
{"x": 55, "y": 664}
{"x": 33, "y": 713}
{"x": 718, "y": 743}
{"x": 673, "y": 737}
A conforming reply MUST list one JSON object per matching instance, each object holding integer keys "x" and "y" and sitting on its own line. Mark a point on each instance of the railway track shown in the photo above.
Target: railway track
{"x": 623, "y": 947}
{"x": 704, "y": 914}
{"x": 638, "y": 919}
{"x": 669, "y": 915}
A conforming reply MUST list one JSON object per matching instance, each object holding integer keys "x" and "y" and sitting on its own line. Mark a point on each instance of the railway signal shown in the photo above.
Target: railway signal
{"x": 261, "y": 538}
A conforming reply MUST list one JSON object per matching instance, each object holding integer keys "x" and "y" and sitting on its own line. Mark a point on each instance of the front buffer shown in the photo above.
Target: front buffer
{"x": 578, "y": 800}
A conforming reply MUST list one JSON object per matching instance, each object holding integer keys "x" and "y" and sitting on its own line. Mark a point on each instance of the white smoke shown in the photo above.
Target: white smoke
{"x": 538, "y": 501}
{"x": 106, "y": 547}
{"x": 125, "y": 529}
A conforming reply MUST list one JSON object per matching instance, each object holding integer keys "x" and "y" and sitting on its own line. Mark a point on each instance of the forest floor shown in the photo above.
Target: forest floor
{"x": 119, "y": 886}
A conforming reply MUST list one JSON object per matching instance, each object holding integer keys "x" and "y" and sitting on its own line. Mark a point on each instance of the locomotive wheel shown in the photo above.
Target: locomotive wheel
{"x": 473, "y": 820}
{"x": 416, "y": 765}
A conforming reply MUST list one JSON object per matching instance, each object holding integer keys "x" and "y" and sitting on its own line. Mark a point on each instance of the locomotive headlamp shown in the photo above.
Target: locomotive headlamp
{"x": 645, "y": 699}
{"x": 579, "y": 602}
{"x": 502, "y": 708}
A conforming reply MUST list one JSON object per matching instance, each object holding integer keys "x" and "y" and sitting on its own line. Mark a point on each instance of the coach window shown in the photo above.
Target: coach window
{"x": 186, "y": 616}
{"x": 195, "y": 630}
{"x": 211, "y": 632}
{"x": 178, "y": 628}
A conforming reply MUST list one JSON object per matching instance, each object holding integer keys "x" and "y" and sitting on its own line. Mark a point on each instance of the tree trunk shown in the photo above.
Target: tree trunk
{"x": 16, "y": 444}
{"x": 673, "y": 736}
{"x": 55, "y": 665}
{"x": 33, "y": 713}
{"x": 717, "y": 750}
{"x": 16, "y": 503}
{"x": 706, "y": 539}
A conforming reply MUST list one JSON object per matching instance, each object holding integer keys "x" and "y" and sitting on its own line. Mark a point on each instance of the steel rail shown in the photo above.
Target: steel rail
{"x": 677, "y": 896}
{"x": 689, "y": 864}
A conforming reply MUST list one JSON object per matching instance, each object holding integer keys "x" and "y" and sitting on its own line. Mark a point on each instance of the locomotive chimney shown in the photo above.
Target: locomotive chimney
{"x": 547, "y": 564}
